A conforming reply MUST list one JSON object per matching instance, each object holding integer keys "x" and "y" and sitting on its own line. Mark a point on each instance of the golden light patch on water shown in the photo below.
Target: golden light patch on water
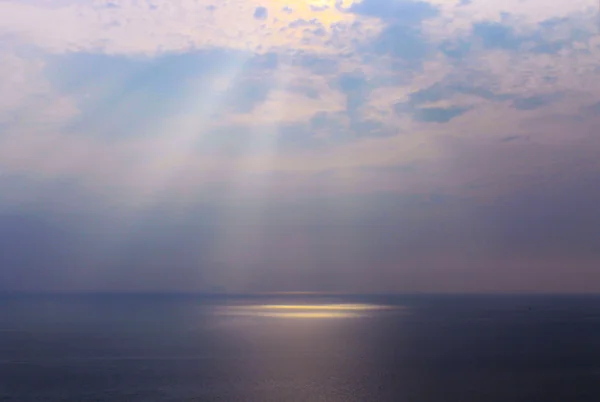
{"x": 307, "y": 311}
{"x": 352, "y": 307}
{"x": 305, "y": 314}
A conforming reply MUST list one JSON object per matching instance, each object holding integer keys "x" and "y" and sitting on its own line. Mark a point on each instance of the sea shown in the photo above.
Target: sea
{"x": 300, "y": 347}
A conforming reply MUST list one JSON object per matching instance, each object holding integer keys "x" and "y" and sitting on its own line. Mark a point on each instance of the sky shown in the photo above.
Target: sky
{"x": 300, "y": 145}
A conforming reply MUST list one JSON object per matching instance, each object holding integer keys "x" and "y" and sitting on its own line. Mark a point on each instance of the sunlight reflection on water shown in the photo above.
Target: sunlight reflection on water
{"x": 342, "y": 310}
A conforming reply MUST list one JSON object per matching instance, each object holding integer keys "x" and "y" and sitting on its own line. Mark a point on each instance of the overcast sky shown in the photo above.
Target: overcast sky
{"x": 290, "y": 145}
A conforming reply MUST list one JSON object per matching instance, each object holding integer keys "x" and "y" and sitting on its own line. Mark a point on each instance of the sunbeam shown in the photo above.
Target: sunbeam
{"x": 249, "y": 182}
{"x": 166, "y": 160}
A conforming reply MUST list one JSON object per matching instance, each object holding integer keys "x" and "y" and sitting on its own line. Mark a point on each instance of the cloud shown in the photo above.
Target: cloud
{"x": 401, "y": 36}
{"x": 356, "y": 88}
{"x": 449, "y": 89}
{"x": 150, "y": 28}
{"x": 495, "y": 35}
{"x": 456, "y": 49}
{"x": 433, "y": 94}
{"x": 438, "y": 114}
{"x": 549, "y": 36}
{"x": 535, "y": 102}
{"x": 317, "y": 64}
{"x": 261, "y": 13}
{"x": 403, "y": 42}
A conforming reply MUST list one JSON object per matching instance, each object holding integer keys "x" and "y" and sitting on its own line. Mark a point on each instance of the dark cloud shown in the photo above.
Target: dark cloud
{"x": 535, "y": 102}
{"x": 438, "y": 114}
{"x": 438, "y": 92}
{"x": 261, "y": 13}
{"x": 446, "y": 90}
{"x": 433, "y": 93}
{"x": 481, "y": 92}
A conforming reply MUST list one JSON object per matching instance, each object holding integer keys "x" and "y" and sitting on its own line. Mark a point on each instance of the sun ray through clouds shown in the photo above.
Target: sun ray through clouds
{"x": 166, "y": 163}
{"x": 248, "y": 187}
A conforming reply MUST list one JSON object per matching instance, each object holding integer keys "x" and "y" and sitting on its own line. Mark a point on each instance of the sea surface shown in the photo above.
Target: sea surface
{"x": 300, "y": 348}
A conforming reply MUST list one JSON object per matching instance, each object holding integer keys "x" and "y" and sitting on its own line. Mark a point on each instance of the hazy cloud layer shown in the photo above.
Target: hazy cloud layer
{"x": 374, "y": 145}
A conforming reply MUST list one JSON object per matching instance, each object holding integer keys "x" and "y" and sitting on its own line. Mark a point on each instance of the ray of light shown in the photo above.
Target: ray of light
{"x": 246, "y": 186}
{"x": 168, "y": 155}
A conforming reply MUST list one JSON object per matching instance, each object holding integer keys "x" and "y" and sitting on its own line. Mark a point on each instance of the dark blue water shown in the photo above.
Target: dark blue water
{"x": 300, "y": 348}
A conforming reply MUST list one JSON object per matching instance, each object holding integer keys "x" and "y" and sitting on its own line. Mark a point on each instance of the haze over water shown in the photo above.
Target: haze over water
{"x": 300, "y": 348}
